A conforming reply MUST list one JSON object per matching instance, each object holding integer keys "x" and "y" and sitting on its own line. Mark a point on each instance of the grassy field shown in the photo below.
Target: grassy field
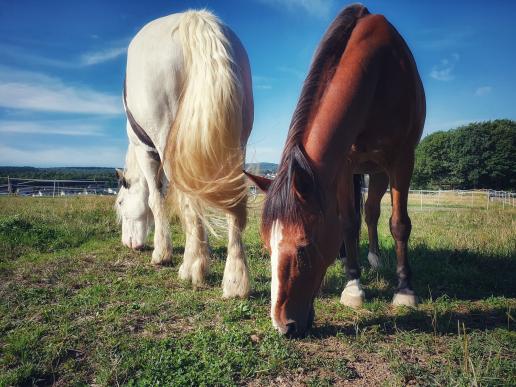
{"x": 78, "y": 308}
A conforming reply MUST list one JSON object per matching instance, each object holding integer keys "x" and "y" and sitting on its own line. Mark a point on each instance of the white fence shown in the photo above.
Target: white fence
{"x": 459, "y": 198}
{"x": 440, "y": 199}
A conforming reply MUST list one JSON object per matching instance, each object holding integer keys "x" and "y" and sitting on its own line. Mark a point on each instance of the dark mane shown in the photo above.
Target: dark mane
{"x": 283, "y": 202}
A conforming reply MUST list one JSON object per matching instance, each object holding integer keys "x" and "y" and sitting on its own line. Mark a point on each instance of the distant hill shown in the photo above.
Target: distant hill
{"x": 261, "y": 168}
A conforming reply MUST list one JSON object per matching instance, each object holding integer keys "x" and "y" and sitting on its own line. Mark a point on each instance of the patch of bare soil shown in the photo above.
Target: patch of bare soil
{"x": 332, "y": 361}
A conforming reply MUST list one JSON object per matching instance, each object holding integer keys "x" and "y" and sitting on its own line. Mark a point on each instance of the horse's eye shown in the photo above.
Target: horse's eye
{"x": 120, "y": 202}
{"x": 301, "y": 252}
{"x": 303, "y": 258}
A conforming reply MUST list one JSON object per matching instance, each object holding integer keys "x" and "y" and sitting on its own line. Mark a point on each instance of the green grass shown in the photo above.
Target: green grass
{"x": 76, "y": 307}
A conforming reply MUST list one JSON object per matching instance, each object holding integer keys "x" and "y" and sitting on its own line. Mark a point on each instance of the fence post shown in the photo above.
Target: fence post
{"x": 439, "y": 198}
{"x": 487, "y": 192}
{"x": 54, "y": 191}
{"x": 421, "y": 197}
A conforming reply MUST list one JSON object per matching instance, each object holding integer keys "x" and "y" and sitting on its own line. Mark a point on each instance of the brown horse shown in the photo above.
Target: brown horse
{"x": 361, "y": 110}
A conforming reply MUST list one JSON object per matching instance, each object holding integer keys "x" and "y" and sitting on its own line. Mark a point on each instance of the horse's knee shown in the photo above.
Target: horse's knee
{"x": 372, "y": 213}
{"x": 400, "y": 228}
{"x": 155, "y": 199}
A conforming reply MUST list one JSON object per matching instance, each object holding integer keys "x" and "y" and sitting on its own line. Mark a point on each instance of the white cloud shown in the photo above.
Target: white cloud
{"x": 262, "y": 83}
{"x": 444, "y": 70}
{"x": 93, "y": 58}
{"x": 483, "y": 90}
{"x": 315, "y": 8}
{"x": 62, "y": 128}
{"x": 95, "y": 156}
{"x": 39, "y": 92}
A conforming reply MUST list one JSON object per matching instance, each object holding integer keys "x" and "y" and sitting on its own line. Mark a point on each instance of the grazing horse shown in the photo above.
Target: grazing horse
{"x": 189, "y": 105}
{"x": 361, "y": 110}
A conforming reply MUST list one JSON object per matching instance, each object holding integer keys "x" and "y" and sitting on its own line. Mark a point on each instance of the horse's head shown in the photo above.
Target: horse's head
{"x": 133, "y": 210}
{"x": 302, "y": 236}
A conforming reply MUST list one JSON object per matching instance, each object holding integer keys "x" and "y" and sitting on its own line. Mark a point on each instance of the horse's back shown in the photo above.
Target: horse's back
{"x": 397, "y": 112}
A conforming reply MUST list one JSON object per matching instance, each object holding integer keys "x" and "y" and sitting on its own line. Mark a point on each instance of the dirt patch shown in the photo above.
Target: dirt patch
{"x": 332, "y": 361}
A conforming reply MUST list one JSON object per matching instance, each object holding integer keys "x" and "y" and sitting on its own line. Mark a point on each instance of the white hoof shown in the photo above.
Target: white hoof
{"x": 199, "y": 270}
{"x": 405, "y": 300}
{"x": 353, "y": 295}
{"x": 374, "y": 260}
{"x": 184, "y": 272}
{"x": 235, "y": 283}
{"x": 161, "y": 257}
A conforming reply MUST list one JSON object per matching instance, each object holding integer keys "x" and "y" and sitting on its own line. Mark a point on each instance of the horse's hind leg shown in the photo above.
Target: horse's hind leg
{"x": 236, "y": 274}
{"x": 400, "y": 225}
{"x": 378, "y": 183}
{"x": 196, "y": 256}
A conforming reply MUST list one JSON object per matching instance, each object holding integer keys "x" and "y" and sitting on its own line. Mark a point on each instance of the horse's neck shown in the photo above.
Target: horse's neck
{"x": 339, "y": 116}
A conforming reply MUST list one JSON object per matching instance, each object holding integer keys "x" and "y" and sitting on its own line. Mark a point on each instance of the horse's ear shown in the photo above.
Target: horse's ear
{"x": 121, "y": 178}
{"x": 302, "y": 180}
{"x": 261, "y": 182}
{"x": 119, "y": 174}
{"x": 300, "y": 185}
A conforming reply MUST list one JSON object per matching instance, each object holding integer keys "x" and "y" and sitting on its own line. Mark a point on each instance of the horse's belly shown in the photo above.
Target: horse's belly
{"x": 367, "y": 162}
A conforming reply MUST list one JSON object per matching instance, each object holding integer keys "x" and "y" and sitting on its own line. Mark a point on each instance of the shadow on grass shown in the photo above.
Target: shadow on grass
{"x": 459, "y": 274}
{"x": 418, "y": 321}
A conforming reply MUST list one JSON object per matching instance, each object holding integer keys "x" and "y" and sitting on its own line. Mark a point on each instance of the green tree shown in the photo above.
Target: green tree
{"x": 478, "y": 155}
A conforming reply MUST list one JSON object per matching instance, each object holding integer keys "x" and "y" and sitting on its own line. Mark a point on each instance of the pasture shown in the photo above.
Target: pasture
{"x": 76, "y": 307}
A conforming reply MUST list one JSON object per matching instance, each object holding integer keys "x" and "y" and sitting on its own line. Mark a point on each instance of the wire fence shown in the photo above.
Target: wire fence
{"x": 441, "y": 199}
{"x": 434, "y": 199}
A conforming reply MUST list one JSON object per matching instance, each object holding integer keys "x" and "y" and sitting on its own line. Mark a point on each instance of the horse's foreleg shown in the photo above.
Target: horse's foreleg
{"x": 352, "y": 295}
{"x": 378, "y": 183}
{"x": 162, "y": 252}
{"x": 196, "y": 256}
{"x": 400, "y": 226}
{"x": 236, "y": 274}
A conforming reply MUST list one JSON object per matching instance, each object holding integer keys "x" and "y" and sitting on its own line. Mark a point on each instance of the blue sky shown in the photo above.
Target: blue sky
{"x": 62, "y": 66}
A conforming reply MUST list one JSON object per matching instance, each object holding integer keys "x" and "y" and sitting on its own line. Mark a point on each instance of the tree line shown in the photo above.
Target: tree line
{"x": 474, "y": 156}
{"x": 59, "y": 173}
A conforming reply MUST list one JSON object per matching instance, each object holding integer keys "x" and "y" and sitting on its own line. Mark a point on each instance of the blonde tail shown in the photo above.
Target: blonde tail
{"x": 203, "y": 156}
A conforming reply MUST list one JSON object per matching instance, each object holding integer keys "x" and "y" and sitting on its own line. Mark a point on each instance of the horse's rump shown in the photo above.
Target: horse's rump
{"x": 203, "y": 156}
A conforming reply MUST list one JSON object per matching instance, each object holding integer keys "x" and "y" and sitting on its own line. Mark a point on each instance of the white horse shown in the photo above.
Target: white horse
{"x": 189, "y": 104}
